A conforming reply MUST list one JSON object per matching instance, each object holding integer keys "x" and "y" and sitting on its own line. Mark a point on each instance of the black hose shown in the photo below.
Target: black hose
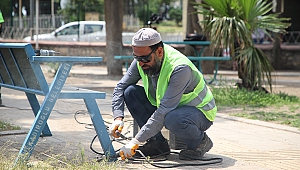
{"x": 208, "y": 161}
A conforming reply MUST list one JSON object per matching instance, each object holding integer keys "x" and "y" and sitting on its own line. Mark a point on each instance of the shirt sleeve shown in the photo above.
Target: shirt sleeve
{"x": 132, "y": 76}
{"x": 180, "y": 83}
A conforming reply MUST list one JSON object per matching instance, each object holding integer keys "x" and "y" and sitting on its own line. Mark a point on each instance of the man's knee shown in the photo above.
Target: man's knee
{"x": 132, "y": 89}
{"x": 129, "y": 89}
{"x": 172, "y": 122}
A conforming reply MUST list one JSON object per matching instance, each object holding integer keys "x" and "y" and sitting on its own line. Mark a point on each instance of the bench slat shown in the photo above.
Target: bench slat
{"x": 80, "y": 93}
{"x": 27, "y": 90}
{"x": 123, "y": 57}
{"x": 16, "y": 70}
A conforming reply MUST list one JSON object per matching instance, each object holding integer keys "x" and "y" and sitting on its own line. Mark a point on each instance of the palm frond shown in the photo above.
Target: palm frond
{"x": 258, "y": 68}
{"x": 229, "y": 22}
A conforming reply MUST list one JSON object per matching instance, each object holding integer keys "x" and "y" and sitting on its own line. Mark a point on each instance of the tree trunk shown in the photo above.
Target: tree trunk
{"x": 194, "y": 17}
{"x": 114, "y": 45}
{"x": 192, "y": 25}
{"x": 207, "y": 66}
{"x": 188, "y": 50}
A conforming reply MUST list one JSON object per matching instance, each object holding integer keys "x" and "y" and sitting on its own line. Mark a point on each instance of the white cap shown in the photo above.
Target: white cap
{"x": 146, "y": 37}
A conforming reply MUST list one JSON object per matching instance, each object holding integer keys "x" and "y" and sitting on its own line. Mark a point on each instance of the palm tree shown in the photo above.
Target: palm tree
{"x": 230, "y": 23}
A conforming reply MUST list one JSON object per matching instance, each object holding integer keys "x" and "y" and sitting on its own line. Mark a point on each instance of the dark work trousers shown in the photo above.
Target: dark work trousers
{"x": 186, "y": 122}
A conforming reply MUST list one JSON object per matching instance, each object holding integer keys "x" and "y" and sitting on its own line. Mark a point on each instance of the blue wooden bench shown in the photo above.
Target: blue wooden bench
{"x": 20, "y": 70}
{"x": 209, "y": 58}
{"x": 196, "y": 60}
{"x": 127, "y": 59}
{"x": 199, "y": 54}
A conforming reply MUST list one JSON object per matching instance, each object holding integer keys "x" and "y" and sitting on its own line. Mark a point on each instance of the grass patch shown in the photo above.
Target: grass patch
{"x": 168, "y": 27}
{"x": 271, "y": 107}
{"x": 7, "y": 126}
{"x": 53, "y": 162}
{"x": 230, "y": 96}
{"x": 281, "y": 118}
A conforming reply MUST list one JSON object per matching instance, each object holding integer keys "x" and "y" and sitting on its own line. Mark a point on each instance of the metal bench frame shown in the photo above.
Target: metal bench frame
{"x": 20, "y": 70}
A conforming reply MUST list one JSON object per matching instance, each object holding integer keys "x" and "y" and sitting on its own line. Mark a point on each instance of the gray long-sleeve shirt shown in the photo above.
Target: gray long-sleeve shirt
{"x": 183, "y": 80}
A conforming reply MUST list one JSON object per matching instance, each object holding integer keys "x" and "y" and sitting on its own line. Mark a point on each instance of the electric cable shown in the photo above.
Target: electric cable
{"x": 87, "y": 125}
{"x": 156, "y": 163}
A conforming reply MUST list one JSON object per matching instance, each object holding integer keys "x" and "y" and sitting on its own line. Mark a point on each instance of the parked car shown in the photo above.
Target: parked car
{"x": 82, "y": 31}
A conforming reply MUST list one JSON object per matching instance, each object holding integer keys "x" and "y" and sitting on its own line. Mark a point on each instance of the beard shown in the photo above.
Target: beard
{"x": 155, "y": 68}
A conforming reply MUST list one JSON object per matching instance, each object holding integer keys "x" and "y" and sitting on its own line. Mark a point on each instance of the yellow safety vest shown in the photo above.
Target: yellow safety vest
{"x": 173, "y": 58}
{"x": 1, "y": 18}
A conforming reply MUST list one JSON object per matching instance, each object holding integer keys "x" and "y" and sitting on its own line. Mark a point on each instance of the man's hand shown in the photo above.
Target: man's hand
{"x": 117, "y": 125}
{"x": 128, "y": 150}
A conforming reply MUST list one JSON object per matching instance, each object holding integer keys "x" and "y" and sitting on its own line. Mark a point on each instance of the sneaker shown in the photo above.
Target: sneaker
{"x": 205, "y": 145}
{"x": 154, "y": 148}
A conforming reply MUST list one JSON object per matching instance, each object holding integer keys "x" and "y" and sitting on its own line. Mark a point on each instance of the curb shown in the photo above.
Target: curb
{"x": 13, "y": 132}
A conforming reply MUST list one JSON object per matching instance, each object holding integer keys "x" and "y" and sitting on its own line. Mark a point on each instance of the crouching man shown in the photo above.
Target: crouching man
{"x": 174, "y": 95}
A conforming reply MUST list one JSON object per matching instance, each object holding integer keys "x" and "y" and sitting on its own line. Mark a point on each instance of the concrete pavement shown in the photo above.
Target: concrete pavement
{"x": 242, "y": 143}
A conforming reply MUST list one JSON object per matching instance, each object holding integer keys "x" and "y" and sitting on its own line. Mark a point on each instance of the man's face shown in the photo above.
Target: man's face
{"x": 149, "y": 60}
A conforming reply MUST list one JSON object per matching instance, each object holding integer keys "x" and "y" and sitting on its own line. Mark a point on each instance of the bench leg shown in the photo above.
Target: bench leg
{"x": 100, "y": 127}
{"x": 216, "y": 72}
{"x": 35, "y": 106}
{"x": 44, "y": 112}
{"x": 36, "y": 129}
{"x": 126, "y": 65}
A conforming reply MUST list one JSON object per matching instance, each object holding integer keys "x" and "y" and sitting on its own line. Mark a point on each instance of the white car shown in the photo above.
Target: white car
{"x": 89, "y": 31}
